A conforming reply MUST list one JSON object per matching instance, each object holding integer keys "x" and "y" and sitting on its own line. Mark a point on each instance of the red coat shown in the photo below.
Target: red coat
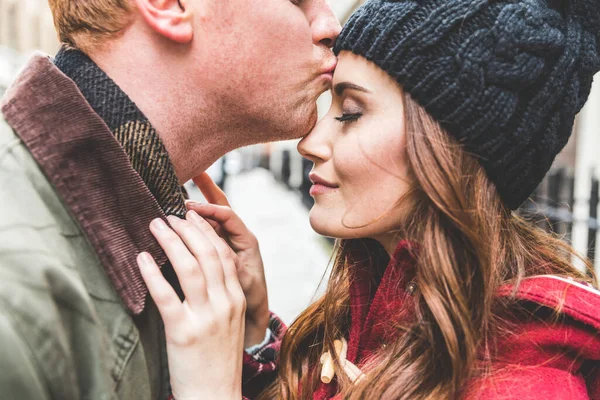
{"x": 541, "y": 359}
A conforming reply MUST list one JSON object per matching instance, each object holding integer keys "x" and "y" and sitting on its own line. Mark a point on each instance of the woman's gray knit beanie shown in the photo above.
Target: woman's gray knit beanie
{"x": 504, "y": 77}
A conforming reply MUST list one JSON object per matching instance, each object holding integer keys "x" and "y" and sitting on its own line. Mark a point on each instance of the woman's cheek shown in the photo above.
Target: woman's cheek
{"x": 371, "y": 177}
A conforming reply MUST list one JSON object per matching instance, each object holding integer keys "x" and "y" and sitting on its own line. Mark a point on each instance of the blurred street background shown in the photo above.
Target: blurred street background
{"x": 268, "y": 184}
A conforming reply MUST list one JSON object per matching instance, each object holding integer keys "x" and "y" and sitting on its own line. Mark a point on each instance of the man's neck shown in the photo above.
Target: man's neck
{"x": 191, "y": 127}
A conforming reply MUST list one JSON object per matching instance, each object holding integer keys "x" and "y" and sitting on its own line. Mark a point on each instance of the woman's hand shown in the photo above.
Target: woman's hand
{"x": 205, "y": 332}
{"x": 249, "y": 261}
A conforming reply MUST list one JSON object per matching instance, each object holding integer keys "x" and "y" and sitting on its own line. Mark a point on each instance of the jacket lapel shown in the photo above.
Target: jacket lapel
{"x": 90, "y": 171}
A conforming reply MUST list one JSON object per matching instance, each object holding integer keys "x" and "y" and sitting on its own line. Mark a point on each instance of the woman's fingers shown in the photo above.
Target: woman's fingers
{"x": 210, "y": 190}
{"x": 203, "y": 250}
{"x": 226, "y": 255}
{"x": 224, "y": 215}
{"x": 215, "y": 225}
{"x": 165, "y": 298}
{"x": 218, "y": 228}
{"x": 184, "y": 263}
{"x": 231, "y": 224}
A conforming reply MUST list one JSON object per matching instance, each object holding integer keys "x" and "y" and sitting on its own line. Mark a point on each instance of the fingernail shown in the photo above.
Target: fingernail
{"x": 144, "y": 259}
{"x": 173, "y": 219}
{"x": 192, "y": 203}
{"x": 159, "y": 224}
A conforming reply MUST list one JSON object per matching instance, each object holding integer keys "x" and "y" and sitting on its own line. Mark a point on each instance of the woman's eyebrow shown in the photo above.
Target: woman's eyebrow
{"x": 340, "y": 87}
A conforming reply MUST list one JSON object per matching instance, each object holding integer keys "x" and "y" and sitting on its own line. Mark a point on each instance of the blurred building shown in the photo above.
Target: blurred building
{"x": 25, "y": 26}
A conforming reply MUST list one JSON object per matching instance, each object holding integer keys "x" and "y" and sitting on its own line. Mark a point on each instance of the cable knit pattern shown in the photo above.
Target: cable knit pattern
{"x": 505, "y": 78}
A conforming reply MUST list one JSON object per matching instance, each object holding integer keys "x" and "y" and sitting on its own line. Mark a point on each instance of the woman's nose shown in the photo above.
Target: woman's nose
{"x": 315, "y": 146}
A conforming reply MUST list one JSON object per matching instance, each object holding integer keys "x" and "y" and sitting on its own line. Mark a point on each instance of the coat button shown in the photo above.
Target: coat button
{"x": 411, "y": 287}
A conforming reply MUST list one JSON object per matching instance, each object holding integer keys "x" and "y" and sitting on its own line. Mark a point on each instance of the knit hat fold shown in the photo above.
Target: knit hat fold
{"x": 504, "y": 77}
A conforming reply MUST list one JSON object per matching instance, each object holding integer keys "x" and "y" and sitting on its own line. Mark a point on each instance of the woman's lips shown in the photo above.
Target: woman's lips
{"x": 317, "y": 189}
{"x": 320, "y": 185}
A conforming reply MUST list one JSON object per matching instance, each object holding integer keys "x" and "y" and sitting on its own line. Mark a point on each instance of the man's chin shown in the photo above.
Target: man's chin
{"x": 311, "y": 124}
{"x": 312, "y": 120}
{"x": 302, "y": 127}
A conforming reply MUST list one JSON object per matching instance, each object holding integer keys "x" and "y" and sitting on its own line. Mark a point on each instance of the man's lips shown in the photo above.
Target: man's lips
{"x": 329, "y": 68}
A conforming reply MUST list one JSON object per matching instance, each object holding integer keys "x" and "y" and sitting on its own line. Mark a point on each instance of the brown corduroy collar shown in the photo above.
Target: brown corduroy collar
{"x": 90, "y": 171}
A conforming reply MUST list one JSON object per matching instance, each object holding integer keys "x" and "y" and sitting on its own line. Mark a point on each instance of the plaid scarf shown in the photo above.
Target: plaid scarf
{"x": 131, "y": 128}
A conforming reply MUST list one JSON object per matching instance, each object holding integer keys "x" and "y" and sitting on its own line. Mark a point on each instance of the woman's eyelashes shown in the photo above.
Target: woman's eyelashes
{"x": 349, "y": 117}
{"x": 351, "y": 108}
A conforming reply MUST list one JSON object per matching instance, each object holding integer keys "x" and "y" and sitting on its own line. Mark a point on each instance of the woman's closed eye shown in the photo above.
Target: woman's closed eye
{"x": 352, "y": 109}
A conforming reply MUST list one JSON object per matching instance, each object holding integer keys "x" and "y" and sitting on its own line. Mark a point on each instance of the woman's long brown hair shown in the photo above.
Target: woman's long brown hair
{"x": 469, "y": 245}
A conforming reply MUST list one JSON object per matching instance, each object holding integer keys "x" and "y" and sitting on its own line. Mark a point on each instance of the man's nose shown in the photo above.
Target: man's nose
{"x": 326, "y": 27}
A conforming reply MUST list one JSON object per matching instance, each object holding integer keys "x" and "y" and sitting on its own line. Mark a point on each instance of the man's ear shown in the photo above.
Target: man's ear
{"x": 169, "y": 18}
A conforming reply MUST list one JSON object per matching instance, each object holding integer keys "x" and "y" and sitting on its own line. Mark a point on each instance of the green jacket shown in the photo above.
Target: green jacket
{"x": 75, "y": 319}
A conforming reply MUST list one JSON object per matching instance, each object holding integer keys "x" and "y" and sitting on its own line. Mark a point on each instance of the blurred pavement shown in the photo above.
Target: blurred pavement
{"x": 295, "y": 257}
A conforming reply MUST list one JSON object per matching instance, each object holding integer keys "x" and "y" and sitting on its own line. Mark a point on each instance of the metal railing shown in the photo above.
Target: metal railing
{"x": 551, "y": 208}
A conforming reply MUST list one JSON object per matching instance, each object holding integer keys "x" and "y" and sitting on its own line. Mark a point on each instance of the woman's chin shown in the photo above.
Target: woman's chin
{"x": 319, "y": 223}
{"x": 328, "y": 224}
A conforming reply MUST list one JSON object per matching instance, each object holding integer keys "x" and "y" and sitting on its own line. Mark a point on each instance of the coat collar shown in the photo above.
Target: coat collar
{"x": 132, "y": 129}
{"x": 376, "y": 313}
{"x": 90, "y": 171}
{"x": 376, "y": 309}
{"x": 567, "y": 296}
